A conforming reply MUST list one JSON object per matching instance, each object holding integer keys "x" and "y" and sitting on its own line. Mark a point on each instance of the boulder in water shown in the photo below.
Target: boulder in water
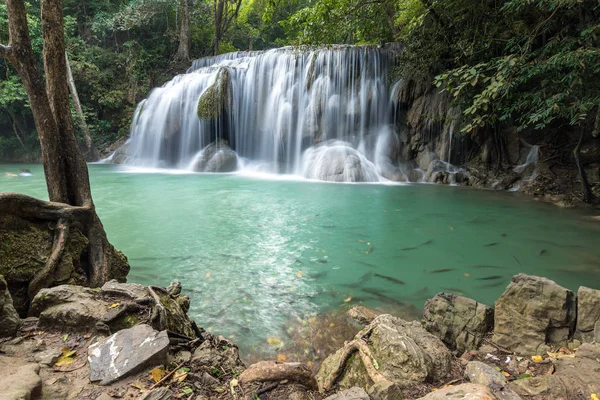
{"x": 214, "y": 100}
{"x": 338, "y": 162}
{"x": 216, "y": 157}
{"x": 533, "y": 313}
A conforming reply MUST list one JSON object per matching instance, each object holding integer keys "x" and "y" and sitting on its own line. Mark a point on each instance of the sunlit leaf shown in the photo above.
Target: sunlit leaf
{"x": 158, "y": 374}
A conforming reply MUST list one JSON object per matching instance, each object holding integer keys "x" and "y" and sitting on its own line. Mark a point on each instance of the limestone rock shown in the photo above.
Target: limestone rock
{"x": 8, "y": 315}
{"x": 386, "y": 391}
{"x": 337, "y": 161}
{"x": 213, "y": 102}
{"x": 216, "y": 157}
{"x": 362, "y": 315}
{"x": 19, "y": 383}
{"x": 68, "y": 307}
{"x": 354, "y": 393}
{"x": 218, "y": 351}
{"x": 459, "y": 322}
{"x": 48, "y": 357}
{"x": 126, "y": 352}
{"x": 466, "y": 391}
{"x": 134, "y": 291}
{"x": 483, "y": 374}
{"x": 588, "y": 313}
{"x": 405, "y": 352}
{"x": 532, "y": 313}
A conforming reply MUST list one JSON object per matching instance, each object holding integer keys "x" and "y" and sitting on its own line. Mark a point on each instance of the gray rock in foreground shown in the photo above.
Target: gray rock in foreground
{"x": 9, "y": 318}
{"x": 533, "y": 313}
{"x": 459, "y": 322}
{"x": 20, "y": 383}
{"x": 468, "y": 391}
{"x": 354, "y": 393}
{"x": 126, "y": 352}
{"x": 486, "y": 375}
{"x": 588, "y": 314}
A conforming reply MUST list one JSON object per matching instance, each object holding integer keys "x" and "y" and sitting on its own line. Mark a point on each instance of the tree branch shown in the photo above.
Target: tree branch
{"x": 6, "y": 51}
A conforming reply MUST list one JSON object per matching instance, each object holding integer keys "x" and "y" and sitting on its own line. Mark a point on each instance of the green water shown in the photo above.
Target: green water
{"x": 252, "y": 253}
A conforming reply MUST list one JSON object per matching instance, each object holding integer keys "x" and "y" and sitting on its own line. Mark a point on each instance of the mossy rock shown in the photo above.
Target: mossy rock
{"x": 214, "y": 100}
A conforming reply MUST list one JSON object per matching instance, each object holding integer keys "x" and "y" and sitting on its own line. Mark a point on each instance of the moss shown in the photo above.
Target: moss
{"x": 213, "y": 101}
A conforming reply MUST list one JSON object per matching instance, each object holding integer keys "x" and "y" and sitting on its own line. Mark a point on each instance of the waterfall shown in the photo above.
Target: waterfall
{"x": 319, "y": 113}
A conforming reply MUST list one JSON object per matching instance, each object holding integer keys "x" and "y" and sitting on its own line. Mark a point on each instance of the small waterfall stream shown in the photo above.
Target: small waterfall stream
{"x": 319, "y": 113}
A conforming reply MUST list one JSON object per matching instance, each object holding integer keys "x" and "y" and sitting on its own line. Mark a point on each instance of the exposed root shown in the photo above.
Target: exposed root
{"x": 30, "y": 207}
{"x": 159, "y": 313}
{"x": 45, "y": 278}
{"x": 366, "y": 356}
{"x": 269, "y": 371}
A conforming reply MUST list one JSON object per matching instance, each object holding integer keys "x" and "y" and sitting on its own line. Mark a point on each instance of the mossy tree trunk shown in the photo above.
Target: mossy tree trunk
{"x": 65, "y": 168}
{"x": 183, "y": 51}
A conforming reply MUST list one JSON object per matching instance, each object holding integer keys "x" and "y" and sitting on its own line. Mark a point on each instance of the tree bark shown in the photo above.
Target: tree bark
{"x": 64, "y": 165}
{"x": 15, "y": 127}
{"x": 183, "y": 51}
{"x": 91, "y": 153}
{"x": 586, "y": 189}
{"x": 218, "y": 7}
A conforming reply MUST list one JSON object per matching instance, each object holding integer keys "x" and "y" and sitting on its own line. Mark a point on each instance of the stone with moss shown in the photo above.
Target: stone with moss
{"x": 214, "y": 100}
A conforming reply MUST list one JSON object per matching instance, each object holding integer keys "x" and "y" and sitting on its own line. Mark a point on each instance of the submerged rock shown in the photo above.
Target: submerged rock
{"x": 533, "y": 313}
{"x": 126, "y": 352}
{"x": 216, "y": 157}
{"x": 588, "y": 315}
{"x": 338, "y": 162}
{"x": 8, "y": 315}
{"x": 459, "y": 322}
{"x": 404, "y": 351}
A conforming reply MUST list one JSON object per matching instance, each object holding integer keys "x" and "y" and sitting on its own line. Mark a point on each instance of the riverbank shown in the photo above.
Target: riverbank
{"x": 132, "y": 341}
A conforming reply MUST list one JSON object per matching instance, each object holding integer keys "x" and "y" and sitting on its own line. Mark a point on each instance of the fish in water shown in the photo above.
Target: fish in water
{"x": 420, "y": 294}
{"x": 485, "y": 266}
{"x": 490, "y": 278}
{"x": 367, "y": 264}
{"x": 358, "y": 284}
{"x": 408, "y": 248}
{"x": 318, "y": 275}
{"x": 543, "y": 251}
{"x": 439, "y": 271}
{"x": 516, "y": 260}
{"x": 490, "y": 244}
{"x": 381, "y": 296}
{"x": 491, "y": 285}
{"x": 323, "y": 261}
{"x": 371, "y": 249}
{"x": 427, "y": 242}
{"x": 453, "y": 290}
{"x": 391, "y": 279}
{"x": 503, "y": 234}
{"x": 298, "y": 261}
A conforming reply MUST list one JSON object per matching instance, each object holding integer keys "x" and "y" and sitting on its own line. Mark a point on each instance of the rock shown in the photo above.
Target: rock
{"x": 216, "y": 157}
{"x": 69, "y": 307}
{"x": 590, "y": 152}
{"x": 459, "y": 322}
{"x": 466, "y": 391}
{"x": 265, "y": 371}
{"x": 8, "y": 315}
{"x": 425, "y": 158}
{"x": 354, "y": 393}
{"x": 337, "y": 161}
{"x": 134, "y": 291}
{"x": 483, "y": 374}
{"x": 533, "y": 313}
{"x": 19, "y": 383}
{"x": 589, "y": 350}
{"x": 48, "y": 357}
{"x": 588, "y": 314}
{"x": 214, "y": 101}
{"x": 162, "y": 393}
{"x": 386, "y": 391}
{"x": 405, "y": 353}
{"x": 362, "y": 315}
{"x": 126, "y": 352}
{"x": 174, "y": 288}
{"x": 218, "y": 352}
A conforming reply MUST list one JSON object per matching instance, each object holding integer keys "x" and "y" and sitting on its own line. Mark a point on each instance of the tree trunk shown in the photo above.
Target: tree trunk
{"x": 13, "y": 119}
{"x": 586, "y": 189}
{"x": 91, "y": 153}
{"x": 219, "y": 7}
{"x": 64, "y": 165}
{"x": 183, "y": 51}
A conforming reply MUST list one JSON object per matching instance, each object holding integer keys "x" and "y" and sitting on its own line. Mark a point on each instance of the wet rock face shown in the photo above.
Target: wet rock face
{"x": 9, "y": 318}
{"x": 338, "y": 162}
{"x": 588, "y": 315}
{"x": 461, "y": 323}
{"x": 533, "y": 313}
{"x": 126, "y": 352}
{"x": 405, "y": 353}
{"x": 216, "y": 157}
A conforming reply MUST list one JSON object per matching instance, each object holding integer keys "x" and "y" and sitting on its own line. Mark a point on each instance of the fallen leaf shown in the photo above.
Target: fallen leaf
{"x": 451, "y": 228}
{"x": 375, "y": 364}
{"x": 87, "y": 336}
{"x": 594, "y": 396}
{"x": 207, "y": 275}
{"x": 114, "y": 305}
{"x": 218, "y": 389}
{"x": 299, "y": 274}
{"x": 158, "y": 374}
{"x": 281, "y": 357}
{"x": 187, "y": 390}
{"x": 348, "y": 300}
{"x": 65, "y": 337}
{"x": 537, "y": 359}
{"x": 467, "y": 274}
{"x": 67, "y": 352}
{"x": 551, "y": 370}
{"x": 63, "y": 361}
{"x": 506, "y": 374}
{"x": 138, "y": 385}
{"x": 232, "y": 384}
{"x": 332, "y": 325}
{"x": 523, "y": 376}
{"x": 275, "y": 341}
{"x": 179, "y": 375}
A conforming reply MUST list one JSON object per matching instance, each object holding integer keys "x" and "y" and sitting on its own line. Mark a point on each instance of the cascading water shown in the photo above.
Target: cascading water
{"x": 317, "y": 112}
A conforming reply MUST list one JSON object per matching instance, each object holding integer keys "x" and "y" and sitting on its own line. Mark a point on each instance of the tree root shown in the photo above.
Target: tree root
{"x": 158, "y": 311}
{"x": 29, "y": 207}
{"x": 45, "y": 278}
{"x": 266, "y": 371}
{"x": 366, "y": 356}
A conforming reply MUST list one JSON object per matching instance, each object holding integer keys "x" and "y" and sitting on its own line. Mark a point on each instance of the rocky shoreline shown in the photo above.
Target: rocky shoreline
{"x": 130, "y": 341}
